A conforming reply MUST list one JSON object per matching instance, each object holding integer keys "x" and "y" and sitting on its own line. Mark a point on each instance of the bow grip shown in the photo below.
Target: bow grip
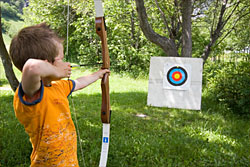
{"x": 105, "y": 110}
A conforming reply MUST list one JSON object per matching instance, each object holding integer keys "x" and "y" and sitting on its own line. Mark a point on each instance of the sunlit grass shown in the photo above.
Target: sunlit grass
{"x": 164, "y": 137}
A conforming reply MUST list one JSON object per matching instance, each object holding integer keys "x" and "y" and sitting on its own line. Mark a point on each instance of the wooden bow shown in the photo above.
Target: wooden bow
{"x": 101, "y": 30}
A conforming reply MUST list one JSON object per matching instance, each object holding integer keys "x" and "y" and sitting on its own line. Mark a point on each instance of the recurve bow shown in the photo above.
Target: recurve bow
{"x": 101, "y": 30}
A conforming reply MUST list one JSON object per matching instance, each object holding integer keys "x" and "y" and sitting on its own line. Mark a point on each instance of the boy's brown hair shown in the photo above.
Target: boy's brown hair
{"x": 37, "y": 42}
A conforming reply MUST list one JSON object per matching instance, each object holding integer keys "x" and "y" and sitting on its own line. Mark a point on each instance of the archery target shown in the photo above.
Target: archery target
{"x": 175, "y": 82}
{"x": 176, "y": 76}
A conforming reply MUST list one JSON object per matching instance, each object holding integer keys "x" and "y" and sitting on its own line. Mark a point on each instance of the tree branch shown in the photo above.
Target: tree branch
{"x": 164, "y": 19}
{"x": 220, "y": 25}
{"x": 232, "y": 28}
{"x": 166, "y": 44}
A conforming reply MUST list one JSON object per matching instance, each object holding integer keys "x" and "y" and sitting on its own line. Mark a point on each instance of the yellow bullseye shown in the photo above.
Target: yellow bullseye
{"x": 177, "y": 76}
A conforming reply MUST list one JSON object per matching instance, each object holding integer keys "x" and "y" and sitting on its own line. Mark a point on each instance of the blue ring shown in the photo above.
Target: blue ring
{"x": 177, "y": 69}
{"x": 180, "y": 81}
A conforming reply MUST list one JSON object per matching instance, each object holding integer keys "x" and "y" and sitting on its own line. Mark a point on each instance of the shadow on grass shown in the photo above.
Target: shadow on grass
{"x": 168, "y": 136}
{"x": 15, "y": 148}
{"x": 165, "y": 137}
{"x": 210, "y": 105}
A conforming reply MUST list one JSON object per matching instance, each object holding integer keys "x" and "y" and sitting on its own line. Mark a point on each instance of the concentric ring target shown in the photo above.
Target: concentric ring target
{"x": 177, "y": 76}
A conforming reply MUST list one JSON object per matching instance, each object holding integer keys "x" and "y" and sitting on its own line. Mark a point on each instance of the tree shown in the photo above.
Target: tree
{"x": 9, "y": 73}
{"x": 225, "y": 17}
{"x": 128, "y": 48}
{"x": 177, "y": 27}
{"x": 221, "y": 19}
{"x": 167, "y": 44}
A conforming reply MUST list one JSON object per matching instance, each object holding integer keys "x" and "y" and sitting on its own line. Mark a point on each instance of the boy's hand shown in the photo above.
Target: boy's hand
{"x": 36, "y": 70}
{"x": 101, "y": 72}
{"x": 84, "y": 81}
{"x": 63, "y": 68}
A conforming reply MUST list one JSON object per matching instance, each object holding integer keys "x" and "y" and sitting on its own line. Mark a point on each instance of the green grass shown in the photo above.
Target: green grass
{"x": 166, "y": 137}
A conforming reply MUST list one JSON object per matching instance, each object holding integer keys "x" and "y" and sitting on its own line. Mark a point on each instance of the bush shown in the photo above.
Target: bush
{"x": 5, "y": 25}
{"x": 9, "y": 11}
{"x": 230, "y": 85}
{"x": 210, "y": 70}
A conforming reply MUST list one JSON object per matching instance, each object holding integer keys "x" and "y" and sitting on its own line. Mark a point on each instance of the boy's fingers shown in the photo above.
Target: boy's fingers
{"x": 107, "y": 70}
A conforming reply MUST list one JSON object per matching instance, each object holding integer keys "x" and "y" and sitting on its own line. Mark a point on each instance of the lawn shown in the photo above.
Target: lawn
{"x": 165, "y": 137}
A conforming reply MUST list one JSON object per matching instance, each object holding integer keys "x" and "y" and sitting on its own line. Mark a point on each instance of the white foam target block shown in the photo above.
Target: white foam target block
{"x": 175, "y": 82}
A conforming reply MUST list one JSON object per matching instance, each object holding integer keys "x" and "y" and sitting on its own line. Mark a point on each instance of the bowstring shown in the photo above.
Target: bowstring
{"x": 71, "y": 96}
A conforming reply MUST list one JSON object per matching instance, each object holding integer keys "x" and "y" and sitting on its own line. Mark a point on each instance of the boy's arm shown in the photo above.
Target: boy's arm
{"x": 84, "y": 81}
{"x": 35, "y": 70}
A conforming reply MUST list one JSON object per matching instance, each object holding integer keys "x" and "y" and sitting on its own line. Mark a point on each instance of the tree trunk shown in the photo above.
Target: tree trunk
{"x": 9, "y": 73}
{"x": 186, "y": 28}
{"x": 168, "y": 45}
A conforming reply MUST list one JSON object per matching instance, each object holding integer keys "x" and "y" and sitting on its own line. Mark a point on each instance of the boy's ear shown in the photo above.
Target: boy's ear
{"x": 48, "y": 61}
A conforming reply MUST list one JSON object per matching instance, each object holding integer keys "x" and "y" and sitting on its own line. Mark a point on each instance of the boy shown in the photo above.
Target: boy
{"x": 40, "y": 102}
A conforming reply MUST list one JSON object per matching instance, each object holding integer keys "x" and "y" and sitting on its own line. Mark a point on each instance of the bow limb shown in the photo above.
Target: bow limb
{"x": 101, "y": 30}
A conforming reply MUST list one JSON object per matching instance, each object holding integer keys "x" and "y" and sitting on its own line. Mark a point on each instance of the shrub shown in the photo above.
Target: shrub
{"x": 230, "y": 85}
{"x": 210, "y": 70}
{"x": 5, "y": 25}
{"x": 9, "y": 11}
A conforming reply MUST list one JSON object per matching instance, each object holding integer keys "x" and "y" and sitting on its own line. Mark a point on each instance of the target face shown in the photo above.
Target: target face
{"x": 177, "y": 76}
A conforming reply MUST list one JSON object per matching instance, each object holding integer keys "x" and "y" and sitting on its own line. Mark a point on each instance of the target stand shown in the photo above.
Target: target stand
{"x": 175, "y": 82}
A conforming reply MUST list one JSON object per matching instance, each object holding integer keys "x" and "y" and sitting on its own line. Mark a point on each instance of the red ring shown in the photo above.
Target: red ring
{"x": 176, "y": 79}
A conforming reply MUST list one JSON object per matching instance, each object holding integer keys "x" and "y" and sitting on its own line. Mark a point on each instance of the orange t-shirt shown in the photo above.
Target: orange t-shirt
{"x": 48, "y": 123}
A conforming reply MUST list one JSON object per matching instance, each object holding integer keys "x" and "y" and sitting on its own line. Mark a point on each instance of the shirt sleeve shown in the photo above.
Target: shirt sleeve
{"x": 68, "y": 86}
{"x": 23, "y": 99}
{"x": 73, "y": 84}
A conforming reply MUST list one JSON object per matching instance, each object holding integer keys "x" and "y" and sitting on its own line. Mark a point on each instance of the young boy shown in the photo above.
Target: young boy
{"x": 40, "y": 102}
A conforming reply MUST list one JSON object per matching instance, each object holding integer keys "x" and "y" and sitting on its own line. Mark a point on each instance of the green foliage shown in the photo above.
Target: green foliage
{"x": 200, "y": 38}
{"x": 11, "y": 27}
{"x": 239, "y": 38}
{"x": 5, "y": 25}
{"x": 11, "y": 18}
{"x": 235, "y": 33}
{"x": 210, "y": 70}
{"x": 229, "y": 84}
{"x": 9, "y": 11}
{"x": 129, "y": 50}
{"x": 17, "y": 4}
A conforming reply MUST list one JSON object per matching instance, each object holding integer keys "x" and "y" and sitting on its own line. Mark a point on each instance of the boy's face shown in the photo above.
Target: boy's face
{"x": 60, "y": 55}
